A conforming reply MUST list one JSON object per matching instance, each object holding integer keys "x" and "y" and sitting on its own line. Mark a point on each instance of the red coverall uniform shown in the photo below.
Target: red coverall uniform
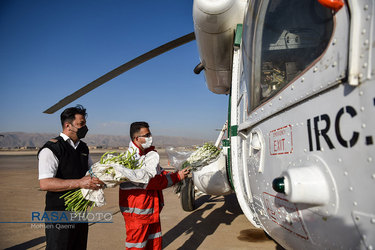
{"x": 141, "y": 207}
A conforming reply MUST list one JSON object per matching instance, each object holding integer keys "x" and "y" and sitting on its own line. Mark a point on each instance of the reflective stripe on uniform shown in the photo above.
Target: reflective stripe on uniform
{"x": 137, "y": 210}
{"x": 154, "y": 236}
{"x": 136, "y": 245}
{"x": 143, "y": 244}
{"x": 169, "y": 178}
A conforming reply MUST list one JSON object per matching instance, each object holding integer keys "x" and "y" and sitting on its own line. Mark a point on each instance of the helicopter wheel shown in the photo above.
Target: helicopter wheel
{"x": 187, "y": 195}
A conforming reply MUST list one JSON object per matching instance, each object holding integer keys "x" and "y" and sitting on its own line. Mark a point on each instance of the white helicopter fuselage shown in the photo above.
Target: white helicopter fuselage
{"x": 301, "y": 126}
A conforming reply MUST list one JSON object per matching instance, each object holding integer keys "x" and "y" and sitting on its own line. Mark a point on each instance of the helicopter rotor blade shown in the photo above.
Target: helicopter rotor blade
{"x": 121, "y": 69}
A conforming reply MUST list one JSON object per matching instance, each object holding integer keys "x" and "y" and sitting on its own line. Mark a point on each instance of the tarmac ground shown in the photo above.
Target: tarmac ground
{"x": 216, "y": 223}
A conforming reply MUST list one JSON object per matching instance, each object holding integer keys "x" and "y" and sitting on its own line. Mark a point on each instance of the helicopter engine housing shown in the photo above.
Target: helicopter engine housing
{"x": 214, "y": 26}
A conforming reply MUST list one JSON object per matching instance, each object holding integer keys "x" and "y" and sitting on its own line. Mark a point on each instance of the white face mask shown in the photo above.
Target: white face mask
{"x": 148, "y": 142}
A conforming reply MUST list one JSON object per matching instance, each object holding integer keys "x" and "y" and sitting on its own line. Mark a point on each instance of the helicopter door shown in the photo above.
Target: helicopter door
{"x": 292, "y": 51}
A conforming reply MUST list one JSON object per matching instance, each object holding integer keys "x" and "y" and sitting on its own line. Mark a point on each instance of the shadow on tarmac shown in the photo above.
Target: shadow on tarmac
{"x": 28, "y": 244}
{"x": 202, "y": 227}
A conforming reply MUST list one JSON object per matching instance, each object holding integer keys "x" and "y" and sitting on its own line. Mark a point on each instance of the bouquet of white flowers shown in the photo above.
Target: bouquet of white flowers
{"x": 202, "y": 156}
{"x": 112, "y": 169}
{"x": 197, "y": 159}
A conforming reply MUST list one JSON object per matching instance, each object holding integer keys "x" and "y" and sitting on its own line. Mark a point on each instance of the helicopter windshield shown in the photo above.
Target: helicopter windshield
{"x": 281, "y": 40}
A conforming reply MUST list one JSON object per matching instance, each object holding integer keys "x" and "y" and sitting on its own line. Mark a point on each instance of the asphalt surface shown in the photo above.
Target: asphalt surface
{"x": 216, "y": 223}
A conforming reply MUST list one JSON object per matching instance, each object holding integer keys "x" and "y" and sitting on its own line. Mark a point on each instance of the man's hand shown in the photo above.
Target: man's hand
{"x": 184, "y": 173}
{"x": 89, "y": 182}
{"x": 58, "y": 185}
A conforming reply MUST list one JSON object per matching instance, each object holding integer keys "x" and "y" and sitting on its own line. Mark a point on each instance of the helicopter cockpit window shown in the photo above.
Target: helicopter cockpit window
{"x": 292, "y": 35}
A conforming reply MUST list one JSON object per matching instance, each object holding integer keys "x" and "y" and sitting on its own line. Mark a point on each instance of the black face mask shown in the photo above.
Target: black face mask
{"x": 82, "y": 131}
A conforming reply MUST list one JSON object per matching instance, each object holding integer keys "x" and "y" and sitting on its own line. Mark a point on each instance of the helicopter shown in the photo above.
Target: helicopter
{"x": 299, "y": 75}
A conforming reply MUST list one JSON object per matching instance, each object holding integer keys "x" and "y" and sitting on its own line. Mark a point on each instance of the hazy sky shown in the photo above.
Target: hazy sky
{"x": 50, "y": 48}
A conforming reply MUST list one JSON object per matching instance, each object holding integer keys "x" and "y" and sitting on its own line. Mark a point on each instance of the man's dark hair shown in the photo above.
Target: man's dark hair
{"x": 68, "y": 115}
{"x": 135, "y": 127}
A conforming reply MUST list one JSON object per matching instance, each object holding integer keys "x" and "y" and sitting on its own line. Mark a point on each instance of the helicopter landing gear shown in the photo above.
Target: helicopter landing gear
{"x": 187, "y": 195}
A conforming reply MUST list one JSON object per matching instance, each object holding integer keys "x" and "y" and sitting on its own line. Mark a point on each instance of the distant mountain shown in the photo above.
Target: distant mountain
{"x": 21, "y": 139}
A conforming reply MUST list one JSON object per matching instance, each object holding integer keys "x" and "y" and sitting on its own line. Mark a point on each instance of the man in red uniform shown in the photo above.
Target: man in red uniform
{"x": 141, "y": 204}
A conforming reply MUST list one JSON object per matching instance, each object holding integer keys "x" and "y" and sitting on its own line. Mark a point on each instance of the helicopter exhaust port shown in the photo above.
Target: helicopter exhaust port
{"x": 311, "y": 183}
{"x": 303, "y": 185}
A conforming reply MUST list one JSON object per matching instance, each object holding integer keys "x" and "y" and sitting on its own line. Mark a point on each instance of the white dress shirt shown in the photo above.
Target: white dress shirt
{"x": 48, "y": 162}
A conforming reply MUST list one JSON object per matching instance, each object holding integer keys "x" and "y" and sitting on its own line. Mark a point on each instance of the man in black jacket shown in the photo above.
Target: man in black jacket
{"x": 63, "y": 163}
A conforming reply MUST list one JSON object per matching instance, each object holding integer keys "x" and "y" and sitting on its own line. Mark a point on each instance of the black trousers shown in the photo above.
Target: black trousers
{"x": 64, "y": 236}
